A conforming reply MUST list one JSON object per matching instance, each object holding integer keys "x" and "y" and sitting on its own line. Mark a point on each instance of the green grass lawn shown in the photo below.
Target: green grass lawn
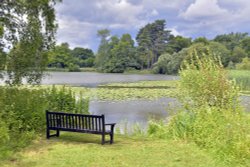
{"x": 85, "y": 150}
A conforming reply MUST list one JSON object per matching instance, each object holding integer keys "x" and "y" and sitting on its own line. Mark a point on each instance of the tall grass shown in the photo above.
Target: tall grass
{"x": 22, "y": 113}
{"x": 242, "y": 78}
{"x": 211, "y": 115}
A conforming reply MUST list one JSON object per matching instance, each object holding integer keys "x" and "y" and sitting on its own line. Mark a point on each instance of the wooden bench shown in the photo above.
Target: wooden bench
{"x": 94, "y": 124}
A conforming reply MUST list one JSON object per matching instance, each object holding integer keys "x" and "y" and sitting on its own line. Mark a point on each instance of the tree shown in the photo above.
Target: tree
{"x": 60, "y": 56}
{"x": 27, "y": 25}
{"x": 122, "y": 55}
{"x": 85, "y": 57}
{"x": 103, "y": 49}
{"x": 176, "y": 44}
{"x": 244, "y": 65}
{"x": 245, "y": 44}
{"x": 238, "y": 54}
{"x": 152, "y": 40}
{"x": 201, "y": 40}
{"x": 230, "y": 40}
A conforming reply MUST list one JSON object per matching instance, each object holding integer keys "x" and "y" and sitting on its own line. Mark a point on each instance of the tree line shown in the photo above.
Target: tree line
{"x": 162, "y": 52}
{"x": 32, "y": 49}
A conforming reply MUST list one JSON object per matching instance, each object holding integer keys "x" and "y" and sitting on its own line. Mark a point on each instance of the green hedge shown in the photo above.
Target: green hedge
{"x": 22, "y": 113}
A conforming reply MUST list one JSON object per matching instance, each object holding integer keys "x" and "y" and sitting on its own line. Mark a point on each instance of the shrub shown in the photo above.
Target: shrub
{"x": 74, "y": 68}
{"x": 22, "y": 113}
{"x": 211, "y": 116}
{"x": 244, "y": 65}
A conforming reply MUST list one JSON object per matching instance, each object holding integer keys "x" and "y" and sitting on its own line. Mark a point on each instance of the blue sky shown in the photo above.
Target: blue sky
{"x": 79, "y": 20}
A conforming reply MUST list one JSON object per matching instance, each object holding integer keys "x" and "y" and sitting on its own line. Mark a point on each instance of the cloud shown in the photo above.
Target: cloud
{"x": 79, "y": 20}
{"x": 154, "y": 12}
{"x": 204, "y": 9}
{"x": 175, "y": 32}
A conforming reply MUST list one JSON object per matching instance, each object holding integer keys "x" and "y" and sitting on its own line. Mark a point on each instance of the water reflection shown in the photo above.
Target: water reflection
{"x": 93, "y": 79}
{"x": 129, "y": 113}
{"x": 137, "y": 112}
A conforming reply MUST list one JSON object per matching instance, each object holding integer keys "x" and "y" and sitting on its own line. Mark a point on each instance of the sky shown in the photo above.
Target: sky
{"x": 79, "y": 20}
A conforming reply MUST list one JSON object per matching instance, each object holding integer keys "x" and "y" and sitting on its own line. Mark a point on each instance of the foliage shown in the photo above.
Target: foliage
{"x": 238, "y": 54}
{"x": 152, "y": 40}
{"x": 63, "y": 57}
{"x": 211, "y": 116}
{"x": 84, "y": 57}
{"x": 245, "y": 44}
{"x": 74, "y": 68}
{"x": 21, "y": 63}
{"x": 64, "y": 99}
{"x": 242, "y": 78}
{"x": 244, "y": 65}
{"x": 23, "y": 113}
{"x": 169, "y": 64}
{"x": 203, "y": 40}
{"x": 122, "y": 55}
{"x": 231, "y": 40}
{"x": 176, "y": 44}
{"x": 29, "y": 27}
{"x": 60, "y": 56}
{"x": 104, "y": 48}
{"x": 116, "y": 55}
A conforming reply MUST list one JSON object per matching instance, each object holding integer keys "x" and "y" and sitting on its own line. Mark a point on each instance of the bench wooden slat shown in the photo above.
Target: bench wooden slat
{"x": 94, "y": 124}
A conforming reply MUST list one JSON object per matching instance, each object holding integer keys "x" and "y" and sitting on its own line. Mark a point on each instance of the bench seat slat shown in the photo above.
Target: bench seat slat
{"x": 94, "y": 124}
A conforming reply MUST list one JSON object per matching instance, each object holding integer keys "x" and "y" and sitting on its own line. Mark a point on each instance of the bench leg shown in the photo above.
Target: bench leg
{"x": 57, "y": 133}
{"x": 103, "y": 139}
{"x": 111, "y": 138}
{"x": 47, "y": 134}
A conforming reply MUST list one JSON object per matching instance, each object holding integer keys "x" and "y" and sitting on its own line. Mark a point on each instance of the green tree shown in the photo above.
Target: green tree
{"x": 60, "y": 56}
{"x": 104, "y": 48}
{"x": 230, "y": 40}
{"x": 122, "y": 55}
{"x": 201, "y": 40}
{"x": 176, "y": 44}
{"x": 85, "y": 57}
{"x": 244, "y": 65}
{"x": 238, "y": 54}
{"x": 245, "y": 44}
{"x": 27, "y": 26}
{"x": 152, "y": 40}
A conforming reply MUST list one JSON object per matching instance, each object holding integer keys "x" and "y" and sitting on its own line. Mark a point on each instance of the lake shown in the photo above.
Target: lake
{"x": 125, "y": 113}
{"x": 93, "y": 79}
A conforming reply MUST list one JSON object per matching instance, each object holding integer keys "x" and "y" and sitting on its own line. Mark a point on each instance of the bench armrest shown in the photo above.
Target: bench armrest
{"x": 112, "y": 125}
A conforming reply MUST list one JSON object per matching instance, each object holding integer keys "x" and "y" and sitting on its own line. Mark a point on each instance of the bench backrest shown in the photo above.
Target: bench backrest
{"x": 75, "y": 121}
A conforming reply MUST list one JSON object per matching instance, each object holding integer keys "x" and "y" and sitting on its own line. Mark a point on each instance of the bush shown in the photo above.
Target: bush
{"x": 244, "y": 65}
{"x": 22, "y": 113}
{"x": 211, "y": 116}
{"x": 74, "y": 68}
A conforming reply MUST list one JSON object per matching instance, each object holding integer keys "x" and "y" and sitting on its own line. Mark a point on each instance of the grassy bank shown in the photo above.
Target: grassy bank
{"x": 72, "y": 149}
{"x": 242, "y": 78}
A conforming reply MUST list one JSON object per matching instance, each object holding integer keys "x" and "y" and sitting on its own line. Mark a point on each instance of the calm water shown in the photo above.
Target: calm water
{"x": 125, "y": 113}
{"x": 129, "y": 113}
{"x": 92, "y": 79}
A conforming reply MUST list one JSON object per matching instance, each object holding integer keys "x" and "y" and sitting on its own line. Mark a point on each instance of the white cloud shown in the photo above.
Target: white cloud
{"x": 204, "y": 9}
{"x": 154, "y": 12}
{"x": 165, "y": 4}
{"x": 79, "y": 20}
{"x": 120, "y": 12}
{"x": 175, "y": 32}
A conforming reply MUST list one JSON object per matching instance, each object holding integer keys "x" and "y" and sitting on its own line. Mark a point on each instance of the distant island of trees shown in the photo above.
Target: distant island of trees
{"x": 157, "y": 50}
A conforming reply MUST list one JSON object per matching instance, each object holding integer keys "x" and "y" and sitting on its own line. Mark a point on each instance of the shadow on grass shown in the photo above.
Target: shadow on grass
{"x": 79, "y": 138}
